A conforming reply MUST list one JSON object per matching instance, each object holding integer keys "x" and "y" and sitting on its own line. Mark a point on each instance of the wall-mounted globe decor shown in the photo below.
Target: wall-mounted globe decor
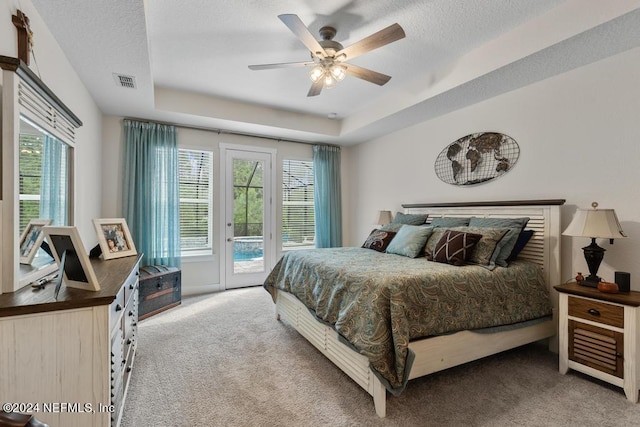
{"x": 477, "y": 158}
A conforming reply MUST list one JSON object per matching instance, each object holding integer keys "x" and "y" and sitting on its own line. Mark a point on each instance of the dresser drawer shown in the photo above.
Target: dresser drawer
{"x": 116, "y": 308}
{"x": 596, "y": 311}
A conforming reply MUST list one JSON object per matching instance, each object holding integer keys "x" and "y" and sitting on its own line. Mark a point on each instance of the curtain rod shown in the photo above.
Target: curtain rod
{"x": 227, "y": 132}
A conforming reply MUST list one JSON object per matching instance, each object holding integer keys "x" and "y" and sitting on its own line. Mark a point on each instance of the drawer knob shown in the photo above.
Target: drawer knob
{"x": 118, "y": 307}
{"x": 129, "y": 341}
{"x": 131, "y": 313}
{"x": 593, "y": 312}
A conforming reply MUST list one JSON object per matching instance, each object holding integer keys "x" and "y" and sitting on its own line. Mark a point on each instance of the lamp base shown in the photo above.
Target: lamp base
{"x": 590, "y": 281}
{"x": 593, "y": 254}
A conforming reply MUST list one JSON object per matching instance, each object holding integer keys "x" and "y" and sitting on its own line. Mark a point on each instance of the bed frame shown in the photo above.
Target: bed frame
{"x": 438, "y": 353}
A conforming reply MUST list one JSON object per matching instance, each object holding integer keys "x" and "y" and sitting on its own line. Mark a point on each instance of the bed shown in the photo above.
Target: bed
{"x": 385, "y": 319}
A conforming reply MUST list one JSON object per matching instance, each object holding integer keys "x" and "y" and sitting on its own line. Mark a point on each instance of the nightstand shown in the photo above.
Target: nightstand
{"x": 598, "y": 335}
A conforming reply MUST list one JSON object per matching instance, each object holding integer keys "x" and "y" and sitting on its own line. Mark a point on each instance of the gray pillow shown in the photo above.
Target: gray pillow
{"x": 392, "y": 226}
{"x": 446, "y": 221}
{"x": 411, "y": 219}
{"x": 409, "y": 241}
{"x": 515, "y": 226}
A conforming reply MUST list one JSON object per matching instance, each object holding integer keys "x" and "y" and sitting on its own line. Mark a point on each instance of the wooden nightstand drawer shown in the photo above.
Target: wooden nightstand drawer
{"x": 599, "y": 348}
{"x": 596, "y": 311}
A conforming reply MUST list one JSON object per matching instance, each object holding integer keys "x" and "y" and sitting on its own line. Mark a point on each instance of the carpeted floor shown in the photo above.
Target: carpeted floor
{"x": 223, "y": 360}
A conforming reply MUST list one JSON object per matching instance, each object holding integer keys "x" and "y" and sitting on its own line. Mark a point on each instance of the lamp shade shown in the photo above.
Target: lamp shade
{"x": 383, "y": 217}
{"x": 595, "y": 223}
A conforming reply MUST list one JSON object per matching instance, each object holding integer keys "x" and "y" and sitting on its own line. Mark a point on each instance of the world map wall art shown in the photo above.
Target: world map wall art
{"x": 477, "y": 158}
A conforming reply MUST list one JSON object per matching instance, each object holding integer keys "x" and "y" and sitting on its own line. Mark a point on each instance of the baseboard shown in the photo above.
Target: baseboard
{"x": 202, "y": 289}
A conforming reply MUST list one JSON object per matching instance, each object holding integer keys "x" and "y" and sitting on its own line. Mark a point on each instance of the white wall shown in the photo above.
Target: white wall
{"x": 201, "y": 274}
{"x": 579, "y": 138}
{"x": 56, "y": 72}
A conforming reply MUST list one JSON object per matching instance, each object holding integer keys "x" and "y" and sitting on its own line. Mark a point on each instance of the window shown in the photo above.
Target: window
{"x": 195, "y": 170}
{"x": 298, "y": 213}
{"x": 43, "y": 177}
{"x": 30, "y": 177}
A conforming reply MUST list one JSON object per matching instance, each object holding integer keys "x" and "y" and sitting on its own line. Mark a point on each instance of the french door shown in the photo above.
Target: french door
{"x": 249, "y": 215}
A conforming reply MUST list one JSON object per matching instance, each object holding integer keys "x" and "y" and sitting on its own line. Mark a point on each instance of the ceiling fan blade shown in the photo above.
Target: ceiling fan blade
{"x": 315, "y": 88}
{"x": 383, "y": 37}
{"x": 298, "y": 28}
{"x": 281, "y": 65}
{"x": 366, "y": 74}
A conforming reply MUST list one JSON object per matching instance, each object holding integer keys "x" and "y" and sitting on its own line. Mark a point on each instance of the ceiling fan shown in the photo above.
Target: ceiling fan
{"x": 329, "y": 57}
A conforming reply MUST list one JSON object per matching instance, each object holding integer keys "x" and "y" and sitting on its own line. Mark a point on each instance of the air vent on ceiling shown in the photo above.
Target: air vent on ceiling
{"x": 125, "y": 81}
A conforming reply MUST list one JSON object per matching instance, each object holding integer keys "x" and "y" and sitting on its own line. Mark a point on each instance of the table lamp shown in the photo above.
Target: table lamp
{"x": 596, "y": 224}
{"x": 384, "y": 217}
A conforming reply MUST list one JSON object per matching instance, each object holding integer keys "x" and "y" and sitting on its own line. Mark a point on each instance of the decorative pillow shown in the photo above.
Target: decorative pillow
{"x": 522, "y": 241}
{"x": 455, "y": 247}
{"x": 411, "y": 219}
{"x": 506, "y": 245}
{"x": 409, "y": 241}
{"x": 482, "y": 253}
{"x": 392, "y": 226}
{"x": 378, "y": 240}
{"x": 433, "y": 240}
{"x": 449, "y": 221}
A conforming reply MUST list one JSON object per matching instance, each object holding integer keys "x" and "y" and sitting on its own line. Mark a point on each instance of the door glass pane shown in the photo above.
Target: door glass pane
{"x": 248, "y": 216}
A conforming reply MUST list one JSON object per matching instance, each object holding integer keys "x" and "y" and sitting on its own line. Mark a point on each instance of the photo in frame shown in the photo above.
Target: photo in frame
{"x": 31, "y": 239}
{"x": 71, "y": 257}
{"x": 114, "y": 238}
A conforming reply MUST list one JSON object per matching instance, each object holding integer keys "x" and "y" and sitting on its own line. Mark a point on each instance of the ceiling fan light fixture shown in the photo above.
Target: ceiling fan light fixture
{"x": 329, "y": 81}
{"x": 316, "y": 73}
{"x": 338, "y": 72}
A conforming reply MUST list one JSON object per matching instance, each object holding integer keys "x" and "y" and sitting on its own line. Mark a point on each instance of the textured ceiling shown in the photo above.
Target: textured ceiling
{"x": 190, "y": 58}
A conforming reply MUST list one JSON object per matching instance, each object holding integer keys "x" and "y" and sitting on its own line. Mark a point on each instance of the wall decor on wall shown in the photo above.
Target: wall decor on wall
{"x": 477, "y": 158}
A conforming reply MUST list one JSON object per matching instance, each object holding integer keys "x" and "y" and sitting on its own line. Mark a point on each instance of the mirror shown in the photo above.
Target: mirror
{"x": 44, "y": 186}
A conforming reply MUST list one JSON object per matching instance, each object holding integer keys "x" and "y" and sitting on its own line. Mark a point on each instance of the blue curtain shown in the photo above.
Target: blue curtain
{"x": 327, "y": 196}
{"x": 54, "y": 189}
{"x": 151, "y": 194}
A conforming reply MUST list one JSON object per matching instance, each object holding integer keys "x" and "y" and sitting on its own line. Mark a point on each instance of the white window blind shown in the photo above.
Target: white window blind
{"x": 298, "y": 213}
{"x": 196, "y": 201}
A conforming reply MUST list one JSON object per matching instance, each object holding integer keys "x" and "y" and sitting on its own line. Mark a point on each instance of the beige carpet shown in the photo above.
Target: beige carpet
{"x": 223, "y": 360}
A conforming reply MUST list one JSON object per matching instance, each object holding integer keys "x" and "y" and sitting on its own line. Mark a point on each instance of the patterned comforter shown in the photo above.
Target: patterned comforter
{"x": 379, "y": 302}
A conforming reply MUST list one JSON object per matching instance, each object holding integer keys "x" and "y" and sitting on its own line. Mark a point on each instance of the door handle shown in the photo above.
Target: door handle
{"x": 230, "y": 239}
{"x": 229, "y": 224}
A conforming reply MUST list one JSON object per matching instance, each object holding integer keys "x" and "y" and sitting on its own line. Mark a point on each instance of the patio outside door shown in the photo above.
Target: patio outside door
{"x": 248, "y": 224}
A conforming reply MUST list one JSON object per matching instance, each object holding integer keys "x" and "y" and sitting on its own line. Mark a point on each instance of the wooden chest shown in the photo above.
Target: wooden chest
{"x": 159, "y": 289}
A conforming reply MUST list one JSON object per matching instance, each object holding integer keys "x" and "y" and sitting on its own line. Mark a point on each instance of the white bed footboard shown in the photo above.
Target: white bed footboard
{"x": 326, "y": 340}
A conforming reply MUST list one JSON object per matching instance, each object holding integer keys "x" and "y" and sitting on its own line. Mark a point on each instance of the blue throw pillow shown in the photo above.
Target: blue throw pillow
{"x": 522, "y": 241}
{"x": 411, "y": 219}
{"x": 449, "y": 221}
{"x": 409, "y": 241}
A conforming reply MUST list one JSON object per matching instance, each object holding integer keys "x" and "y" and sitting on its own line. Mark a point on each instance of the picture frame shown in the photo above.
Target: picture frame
{"x": 71, "y": 257}
{"x": 31, "y": 239}
{"x": 114, "y": 238}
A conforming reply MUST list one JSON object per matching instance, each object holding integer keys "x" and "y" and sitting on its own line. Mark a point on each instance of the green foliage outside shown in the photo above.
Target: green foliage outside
{"x": 30, "y": 165}
{"x": 248, "y": 197}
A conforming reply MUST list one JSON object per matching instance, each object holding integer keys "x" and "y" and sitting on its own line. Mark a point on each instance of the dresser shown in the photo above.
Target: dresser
{"x": 69, "y": 360}
{"x": 598, "y": 335}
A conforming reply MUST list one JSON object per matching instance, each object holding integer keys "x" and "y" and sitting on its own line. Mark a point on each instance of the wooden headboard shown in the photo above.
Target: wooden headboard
{"x": 544, "y": 246}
